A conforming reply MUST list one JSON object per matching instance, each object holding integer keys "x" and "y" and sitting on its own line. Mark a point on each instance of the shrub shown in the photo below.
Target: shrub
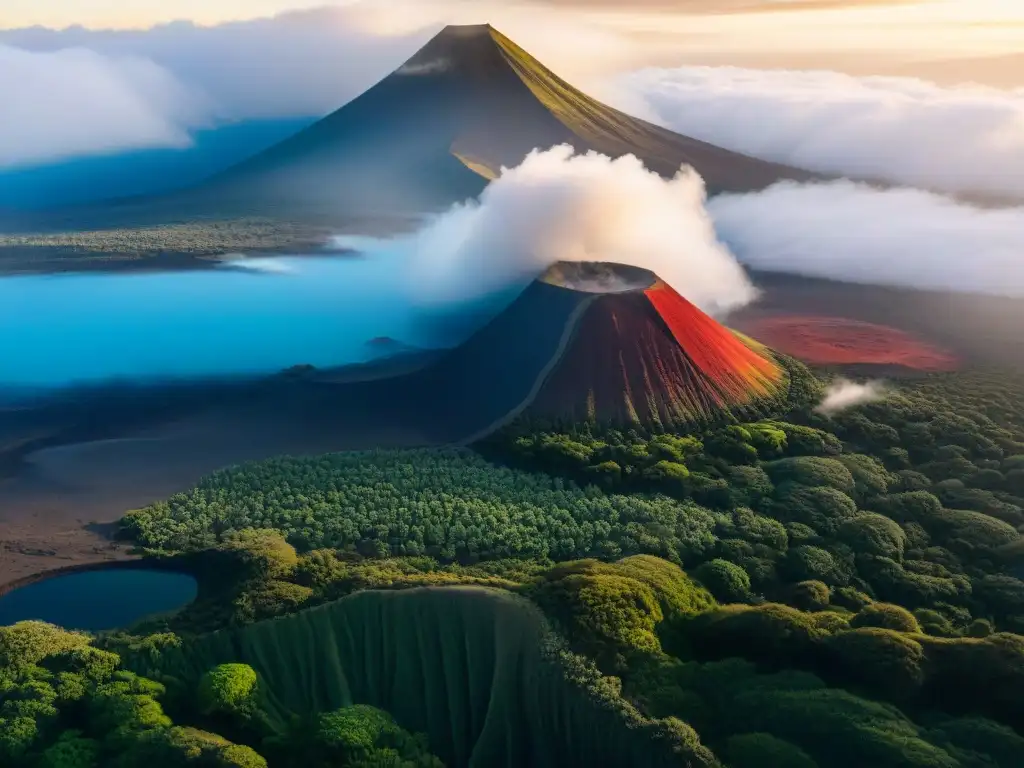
{"x": 873, "y": 534}
{"x": 756, "y": 529}
{"x": 823, "y": 509}
{"x": 272, "y": 598}
{"x": 759, "y": 750}
{"x": 982, "y": 737}
{"x": 750, "y": 485}
{"x": 934, "y": 623}
{"x": 837, "y": 728}
{"x": 71, "y": 750}
{"x": 869, "y": 476}
{"x": 227, "y": 688}
{"x": 606, "y": 473}
{"x": 886, "y": 616}
{"x": 881, "y": 659}
{"x": 810, "y": 595}
{"x": 850, "y": 598}
{"x": 782, "y": 633}
{"x": 179, "y": 746}
{"x": 807, "y": 563}
{"x": 265, "y": 551}
{"x": 710, "y": 491}
{"x": 320, "y": 568}
{"x": 677, "y": 594}
{"x": 980, "y": 628}
{"x": 811, "y": 471}
{"x": 674, "y": 477}
{"x": 967, "y": 531}
{"x": 892, "y": 582}
{"x": 912, "y": 506}
{"x": 1003, "y": 595}
{"x": 27, "y": 642}
{"x": 907, "y": 480}
{"x": 726, "y": 581}
{"x": 603, "y": 613}
{"x": 354, "y": 730}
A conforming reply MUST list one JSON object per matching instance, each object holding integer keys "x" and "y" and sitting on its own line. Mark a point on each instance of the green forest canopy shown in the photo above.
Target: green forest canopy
{"x": 851, "y": 592}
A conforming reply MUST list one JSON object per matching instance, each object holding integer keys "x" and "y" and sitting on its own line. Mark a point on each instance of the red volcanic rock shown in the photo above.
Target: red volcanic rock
{"x": 648, "y": 355}
{"x": 842, "y": 341}
{"x": 733, "y": 368}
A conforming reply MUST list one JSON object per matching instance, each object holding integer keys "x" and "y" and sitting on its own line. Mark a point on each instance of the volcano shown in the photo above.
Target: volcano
{"x": 598, "y": 342}
{"x": 439, "y": 127}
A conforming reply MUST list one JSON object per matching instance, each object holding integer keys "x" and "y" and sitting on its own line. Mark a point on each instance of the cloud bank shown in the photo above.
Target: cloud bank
{"x": 953, "y": 139}
{"x": 76, "y": 92}
{"x": 148, "y": 88}
{"x": 853, "y": 232}
{"x": 294, "y": 65}
{"x": 558, "y": 206}
{"x": 843, "y": 393}
{"x": 76, "y": 101}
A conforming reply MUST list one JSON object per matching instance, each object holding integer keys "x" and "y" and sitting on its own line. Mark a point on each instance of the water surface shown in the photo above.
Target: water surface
{"x": 73, "y": 328}
{"x": 97, "y": 600}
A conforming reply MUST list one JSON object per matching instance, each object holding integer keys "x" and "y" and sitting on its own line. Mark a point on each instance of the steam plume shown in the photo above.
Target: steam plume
{"x": 843, "y": 393}
{"x": 558, "y": 206}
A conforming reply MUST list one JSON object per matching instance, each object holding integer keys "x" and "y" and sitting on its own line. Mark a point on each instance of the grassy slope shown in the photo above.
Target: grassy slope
{"x": 471, "y": 667}
{"x": 615, "y": 133}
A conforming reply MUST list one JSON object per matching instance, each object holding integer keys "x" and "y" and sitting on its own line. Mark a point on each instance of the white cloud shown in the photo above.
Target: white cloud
{"x": 268, "y": 265}
{"x": 901, "y": 237}
{"x": 296, "y": 65}
{"x": 843, "y": 393}
{"x": 557, "y": 206}
{"x": 76, "y": 91}
{"x": 309, "y": 63}
{"x": 954, "y": 139}
{"x": 75, "y": 101}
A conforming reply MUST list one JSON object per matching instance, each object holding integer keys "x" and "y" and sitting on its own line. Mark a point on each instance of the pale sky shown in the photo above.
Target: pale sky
{"x": 954, "y": 27}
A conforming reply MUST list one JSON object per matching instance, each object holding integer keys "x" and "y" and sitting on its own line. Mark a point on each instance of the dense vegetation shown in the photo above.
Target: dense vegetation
{"x": 801, "y": 591}
{"x": 449, "y": 504}
{"x": 65, "y": 703}
{"x": 909, "y": 501}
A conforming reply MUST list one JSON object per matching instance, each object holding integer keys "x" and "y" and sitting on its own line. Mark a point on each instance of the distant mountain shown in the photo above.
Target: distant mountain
{"x": 430, "y": 134}
{"x": 141, "y": 172}
{"x": 436, "y": 129}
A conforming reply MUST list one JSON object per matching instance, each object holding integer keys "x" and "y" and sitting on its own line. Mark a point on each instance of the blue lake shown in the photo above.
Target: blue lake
{"x": 97, "y": 600}
{"x": 73, "y": 328}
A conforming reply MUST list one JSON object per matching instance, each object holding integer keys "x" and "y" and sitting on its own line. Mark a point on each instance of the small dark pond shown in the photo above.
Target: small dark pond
{"x": 96, "y": 600}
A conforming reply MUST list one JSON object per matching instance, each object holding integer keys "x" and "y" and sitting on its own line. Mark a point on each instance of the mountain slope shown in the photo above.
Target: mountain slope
{"x": 595, "y": 126}
{"x": 599, "y": 342}
{"x": 435, "y": 130}
{"x": 648, "y": 356}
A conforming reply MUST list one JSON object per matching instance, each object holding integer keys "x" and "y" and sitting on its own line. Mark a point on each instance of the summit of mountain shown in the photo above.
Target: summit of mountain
{"x": 435, "y": 130}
